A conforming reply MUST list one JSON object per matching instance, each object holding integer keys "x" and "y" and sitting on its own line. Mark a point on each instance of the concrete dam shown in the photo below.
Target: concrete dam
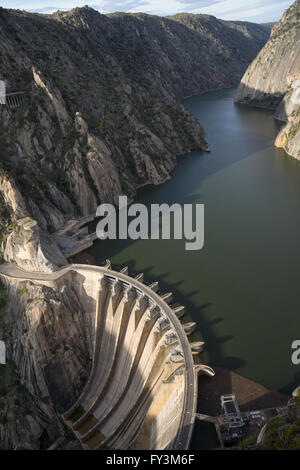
{"x": 141, "y": 392}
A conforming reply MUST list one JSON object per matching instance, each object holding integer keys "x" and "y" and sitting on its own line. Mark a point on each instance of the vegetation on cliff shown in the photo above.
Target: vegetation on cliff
{"x": 102, "y": 114}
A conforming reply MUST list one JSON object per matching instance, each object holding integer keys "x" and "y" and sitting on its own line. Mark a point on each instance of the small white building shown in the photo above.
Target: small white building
{"x": 2, "y": 353}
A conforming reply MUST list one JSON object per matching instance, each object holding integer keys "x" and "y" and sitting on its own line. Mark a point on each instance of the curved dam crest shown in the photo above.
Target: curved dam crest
{"x": 242, "y": 288}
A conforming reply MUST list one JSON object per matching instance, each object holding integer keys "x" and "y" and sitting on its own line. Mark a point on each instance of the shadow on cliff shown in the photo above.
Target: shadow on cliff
{"x": 69, "y": 361}
{"x": 259, "y": 99}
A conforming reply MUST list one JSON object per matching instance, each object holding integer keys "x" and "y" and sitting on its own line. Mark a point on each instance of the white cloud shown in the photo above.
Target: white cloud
{"x": 159, "y": 7}
{"x": 41, "y": 4}
{"x": 253, "y": 10}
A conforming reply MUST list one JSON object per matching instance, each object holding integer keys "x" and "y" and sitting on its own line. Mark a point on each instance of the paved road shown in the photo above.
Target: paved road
{"x": 188, "y": 414}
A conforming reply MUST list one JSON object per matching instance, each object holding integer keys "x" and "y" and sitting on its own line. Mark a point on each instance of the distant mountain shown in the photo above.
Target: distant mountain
{"x": 268, "y": 25}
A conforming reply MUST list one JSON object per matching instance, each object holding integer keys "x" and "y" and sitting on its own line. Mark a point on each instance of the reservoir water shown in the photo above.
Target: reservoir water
{"x": 243, "y": 287}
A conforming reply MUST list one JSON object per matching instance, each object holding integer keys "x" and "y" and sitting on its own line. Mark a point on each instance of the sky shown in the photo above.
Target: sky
{"x": 258, "y": 11}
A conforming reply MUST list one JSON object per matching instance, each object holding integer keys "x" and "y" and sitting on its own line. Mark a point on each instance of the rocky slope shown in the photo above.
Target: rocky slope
{"x": 47, "y": 336}
{"x": 273, "y": 79}
{"x": 102, "y": 113}
{"x": 101, "y": 116}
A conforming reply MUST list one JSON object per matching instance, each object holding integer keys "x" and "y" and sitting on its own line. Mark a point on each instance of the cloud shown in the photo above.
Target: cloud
{"x": 248, "y": 10}
{"x": 39, "y": 5}
{"x": 118, "y": 5}
{"x": 254, "y": 10}
{"x": 46, "y": 10}
{"x": 159, "y": 7}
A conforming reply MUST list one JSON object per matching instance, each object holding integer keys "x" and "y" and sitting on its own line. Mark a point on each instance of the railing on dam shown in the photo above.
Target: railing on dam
{"x": 13, "y": 100}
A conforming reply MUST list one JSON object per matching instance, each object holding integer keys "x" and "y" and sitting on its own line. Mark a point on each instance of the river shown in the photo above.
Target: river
{"x": 242, "y": 288}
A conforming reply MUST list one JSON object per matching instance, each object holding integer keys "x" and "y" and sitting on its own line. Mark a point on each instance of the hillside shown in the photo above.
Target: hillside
{"x": 102, "y": 113}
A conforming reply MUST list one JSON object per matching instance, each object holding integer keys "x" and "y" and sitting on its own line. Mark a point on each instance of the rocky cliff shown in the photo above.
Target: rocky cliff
{"x": 48, "y": 340}
{"x": 101, "y": 114}
{"x": 273, "y": 79}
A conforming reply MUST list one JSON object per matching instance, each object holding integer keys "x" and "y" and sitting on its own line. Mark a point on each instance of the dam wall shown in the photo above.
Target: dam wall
{"x": 142, "y": 388}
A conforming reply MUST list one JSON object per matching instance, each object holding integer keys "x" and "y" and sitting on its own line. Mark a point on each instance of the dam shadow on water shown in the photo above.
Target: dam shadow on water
{"x": 241, "y": 288}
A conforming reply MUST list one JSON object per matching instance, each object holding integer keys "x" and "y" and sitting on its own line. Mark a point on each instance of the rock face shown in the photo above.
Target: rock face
{"x": 102, "y": 114}
{"x": 26, "y": 243}
{"x": 289, "y": 110}
{"x": 46, "y": 332}
{"x": 273, "y": 79}
{"x": 31, "y": 248}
